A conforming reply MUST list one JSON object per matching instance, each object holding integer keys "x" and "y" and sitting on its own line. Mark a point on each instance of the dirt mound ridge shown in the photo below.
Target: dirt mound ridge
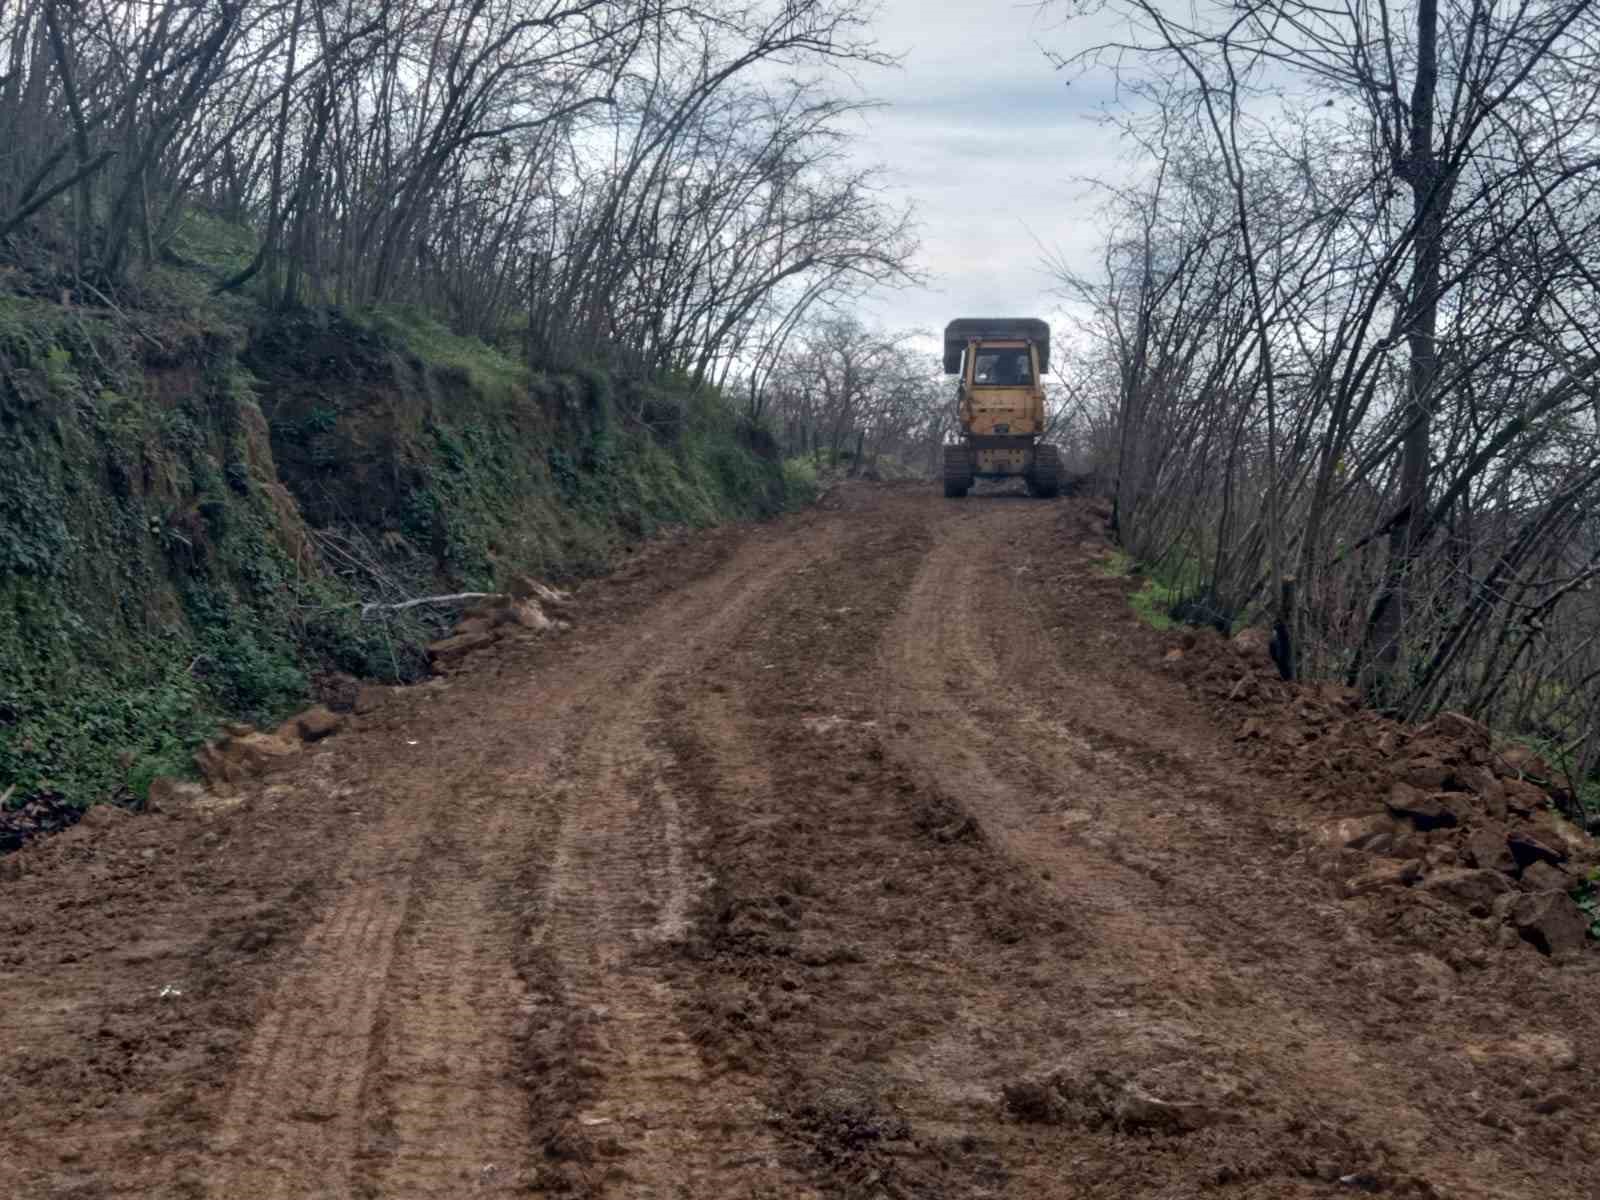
{"x": 1439, "y": 815}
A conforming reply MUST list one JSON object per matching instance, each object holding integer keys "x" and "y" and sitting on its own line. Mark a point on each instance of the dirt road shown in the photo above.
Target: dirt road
{"x": 869, "y": 853}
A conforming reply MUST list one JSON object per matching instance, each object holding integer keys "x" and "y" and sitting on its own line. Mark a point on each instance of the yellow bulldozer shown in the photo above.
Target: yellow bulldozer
{"x": 999, "y": 404}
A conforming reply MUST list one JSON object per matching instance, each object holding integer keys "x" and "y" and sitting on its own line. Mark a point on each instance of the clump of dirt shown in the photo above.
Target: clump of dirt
{"x": 940, "y": 818}
{"x": 1439, "y": 819}
{"x": 1310, "y": 1145}
{"x": 856, "y": 1140}
{"x": 1100, "y": 1098}
{"x": 846, "y": 1124}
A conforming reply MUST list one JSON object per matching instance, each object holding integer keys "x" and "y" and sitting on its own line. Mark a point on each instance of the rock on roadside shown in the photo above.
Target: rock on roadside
{"x": 1473, "y": 889}
{"x": 231, "y": 759}
{"x": 452, "y": 649}
{"x": 1551, "y": 921}
{"x": 312, "y": 725}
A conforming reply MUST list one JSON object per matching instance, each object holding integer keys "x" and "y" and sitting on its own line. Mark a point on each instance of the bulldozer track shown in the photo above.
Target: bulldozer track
{"x": 1044, "y": 479}
{"x": 958, "y": 467}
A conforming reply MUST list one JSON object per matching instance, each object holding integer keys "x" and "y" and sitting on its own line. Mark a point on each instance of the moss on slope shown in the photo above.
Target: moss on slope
{"x": 190, "y": 513}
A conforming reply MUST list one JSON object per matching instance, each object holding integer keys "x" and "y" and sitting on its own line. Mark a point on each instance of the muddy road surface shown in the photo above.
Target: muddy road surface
{"x": 869, "y": 853}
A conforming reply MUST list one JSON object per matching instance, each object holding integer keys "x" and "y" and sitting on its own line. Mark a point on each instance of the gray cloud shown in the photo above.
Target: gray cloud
{"x": 991, "y": 145}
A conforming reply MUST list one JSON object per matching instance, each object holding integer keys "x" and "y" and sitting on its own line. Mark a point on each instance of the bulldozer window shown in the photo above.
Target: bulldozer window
{"x": 1002, "y": 368}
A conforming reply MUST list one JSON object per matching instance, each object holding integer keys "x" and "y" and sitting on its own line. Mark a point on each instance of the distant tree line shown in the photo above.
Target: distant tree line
{"x": 655, "y": 180}
{"x": 843, "y": 393}
{"x": 1345, "y": 335}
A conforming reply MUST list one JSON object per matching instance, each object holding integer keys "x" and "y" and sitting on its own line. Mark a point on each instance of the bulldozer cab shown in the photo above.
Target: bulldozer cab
{"x": 1002, "y": 365}
{"x": 991, "y": 337}
{"x": 1000, "y": 360}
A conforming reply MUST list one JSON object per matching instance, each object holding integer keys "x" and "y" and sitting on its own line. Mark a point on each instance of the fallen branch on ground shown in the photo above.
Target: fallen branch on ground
{"x": 368, "y": 609}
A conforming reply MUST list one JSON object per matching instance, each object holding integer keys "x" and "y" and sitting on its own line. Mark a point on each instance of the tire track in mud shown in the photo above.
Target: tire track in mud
{"x": 446, "y": 1110}
{"x": 839, "y": 921}
{"x": 392, "y": 1057}
{"x": 1187, "y": 961}
{"x": 1038, "y": 781}
{"x": 891, "y": 971}
{"x": 630, "y": 1106}
{"x": 386, "y": 1060}
{"x": 292, "y": 1119}
{"x": 643, "y": 1117}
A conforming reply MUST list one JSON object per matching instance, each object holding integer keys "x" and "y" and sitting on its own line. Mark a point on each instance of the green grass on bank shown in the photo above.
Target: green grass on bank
{"x": 491, "y": 371}
{"x": 1153, "y": 601}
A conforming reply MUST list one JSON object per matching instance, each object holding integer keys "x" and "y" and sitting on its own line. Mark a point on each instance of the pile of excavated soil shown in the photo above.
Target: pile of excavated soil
{"x": 1438, "y": 818}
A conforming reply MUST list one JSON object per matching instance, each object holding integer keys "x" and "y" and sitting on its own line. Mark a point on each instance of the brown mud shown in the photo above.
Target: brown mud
{"x": 877, "y": 852}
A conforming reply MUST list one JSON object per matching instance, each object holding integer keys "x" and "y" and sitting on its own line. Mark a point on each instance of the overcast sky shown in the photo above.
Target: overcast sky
{"x": 990, "y": 144}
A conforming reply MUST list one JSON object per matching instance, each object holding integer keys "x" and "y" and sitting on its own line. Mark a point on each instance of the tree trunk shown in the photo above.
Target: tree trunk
{"x": 83, "y": 195}
{"x": 1429, "y": 199}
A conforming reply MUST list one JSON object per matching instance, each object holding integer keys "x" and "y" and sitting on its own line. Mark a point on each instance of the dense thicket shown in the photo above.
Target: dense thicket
{"x": 657, "y": 181}
{"x": 1344, "y": 333}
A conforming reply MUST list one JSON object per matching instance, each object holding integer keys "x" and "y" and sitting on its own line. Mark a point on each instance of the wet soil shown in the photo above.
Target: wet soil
{"x": 875, "y": 852}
